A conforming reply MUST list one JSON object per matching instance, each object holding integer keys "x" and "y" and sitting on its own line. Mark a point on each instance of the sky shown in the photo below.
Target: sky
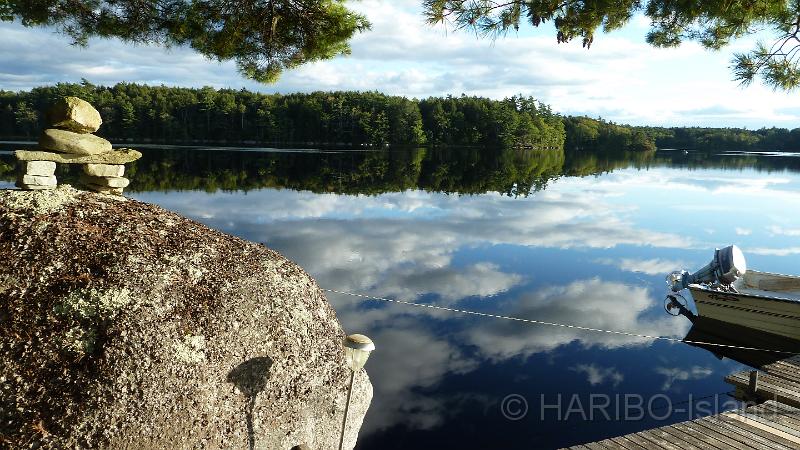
{"x": 620, "y": 78}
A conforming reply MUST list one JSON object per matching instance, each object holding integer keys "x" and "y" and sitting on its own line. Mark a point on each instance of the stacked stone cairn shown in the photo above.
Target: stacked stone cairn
{"x": 69, "y": 140}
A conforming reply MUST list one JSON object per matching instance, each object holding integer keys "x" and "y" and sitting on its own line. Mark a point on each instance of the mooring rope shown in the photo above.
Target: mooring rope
{"x": 555, "y": 324}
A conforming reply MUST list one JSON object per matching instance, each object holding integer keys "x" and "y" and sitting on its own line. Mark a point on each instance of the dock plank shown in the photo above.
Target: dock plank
{"x": 785, "y": 409}
{"x": 785, "y": 364}
{"x": 777, "y": 422}
{"x": 733, "y": 439}
{"x": 633, "y": 442}
{"x": 660, "y": 439}
{"x": 707, "y": 438}
{"x": 773, "y": 424}
{"x": 753, "y": 433}
{"x": 793, "y": 360}
{"x": 782, "y": 369}
{"x": 792, "y": 415}
{"x": 687, "y": 440}
{"x": 730, "y": 430}
{"x": 782, "y": 376}
{"x": 623, "y": 442}
{"x": 644, "y": 443}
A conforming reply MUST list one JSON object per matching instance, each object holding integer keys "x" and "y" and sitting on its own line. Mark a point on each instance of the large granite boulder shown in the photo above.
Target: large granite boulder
{"x": 128, "y": 326}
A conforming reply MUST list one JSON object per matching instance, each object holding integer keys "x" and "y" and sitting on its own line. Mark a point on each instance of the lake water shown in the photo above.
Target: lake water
{"x": 575, "y": 240}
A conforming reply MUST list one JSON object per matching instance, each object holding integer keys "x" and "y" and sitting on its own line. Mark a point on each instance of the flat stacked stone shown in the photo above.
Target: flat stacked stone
{"x": 118, "y": 156}
{"x": 104, "y": 170}
{"x": 70, "y": 141}
{"x": 36, "y": 175}
{"x": 75, "y": 143}
{"x": 105, "y": 178}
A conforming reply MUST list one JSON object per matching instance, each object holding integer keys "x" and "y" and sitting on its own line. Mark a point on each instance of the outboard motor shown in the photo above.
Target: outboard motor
{"x": 726, "y": 267}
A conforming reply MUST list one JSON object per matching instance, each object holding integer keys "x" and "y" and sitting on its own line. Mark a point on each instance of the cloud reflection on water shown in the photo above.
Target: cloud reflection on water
{"x": 654, "y": 266}
{"x": 590, "y": 303}
{"x": 413, "y": 357}
{"x": 675, "y": 374}
{"x": 596, "y": 374}
{"x": 399, "y": 250}
{"x": 413, "y": 246}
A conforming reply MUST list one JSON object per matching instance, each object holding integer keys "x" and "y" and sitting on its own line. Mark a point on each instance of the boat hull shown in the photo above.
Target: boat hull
{"x": 727, "y": 340}
{"x": 780, "y": 317}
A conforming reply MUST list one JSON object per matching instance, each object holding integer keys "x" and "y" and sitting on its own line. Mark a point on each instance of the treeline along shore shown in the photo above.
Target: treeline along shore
{"x": 161, "y": 114}
{"x": 175, "y": 115}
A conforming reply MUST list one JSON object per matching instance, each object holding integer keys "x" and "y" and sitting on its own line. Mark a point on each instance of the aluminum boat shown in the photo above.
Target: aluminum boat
{"x": 726, "y": 291}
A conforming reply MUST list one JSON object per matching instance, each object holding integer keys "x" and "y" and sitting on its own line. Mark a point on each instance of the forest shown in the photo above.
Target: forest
{"x": 594, "y": 135}
{"x": 176, "y": 115}
{"x": 140, "y": 113}
{"x": 696, "y": 138}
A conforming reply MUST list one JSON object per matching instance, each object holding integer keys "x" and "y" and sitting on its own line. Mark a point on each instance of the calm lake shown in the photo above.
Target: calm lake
{"x": 575, "y": 240}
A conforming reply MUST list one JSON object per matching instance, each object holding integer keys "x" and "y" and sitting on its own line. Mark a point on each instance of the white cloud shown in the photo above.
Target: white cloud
{"x": 783, "y": 251}
{"x": 743, "y": 231}
{"x": 596, "y": 374}
{"x": 728, "y": 185}
{"x": 778, "y": 230}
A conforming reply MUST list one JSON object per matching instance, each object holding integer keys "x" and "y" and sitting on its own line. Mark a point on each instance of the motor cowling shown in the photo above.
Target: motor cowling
{"x": 726, "y": 267}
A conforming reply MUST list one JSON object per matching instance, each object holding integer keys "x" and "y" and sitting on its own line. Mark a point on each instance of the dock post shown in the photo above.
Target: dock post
{"x": 753, "y": 386}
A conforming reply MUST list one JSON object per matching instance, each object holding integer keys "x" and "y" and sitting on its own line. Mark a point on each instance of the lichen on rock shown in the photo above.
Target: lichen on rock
{"x": 190, "y": 349}
{"x": 128, "y": 326}
{"x": 7, "y": 283}
{"x": 93, "y": 304}
{"x": 78, "y": 340}
{"x": 39, "y": 202}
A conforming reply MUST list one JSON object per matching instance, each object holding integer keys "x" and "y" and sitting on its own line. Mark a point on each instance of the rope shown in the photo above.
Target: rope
{"x": 554, "y": 324}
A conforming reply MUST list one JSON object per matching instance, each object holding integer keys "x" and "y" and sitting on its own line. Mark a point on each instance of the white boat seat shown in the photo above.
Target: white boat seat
{"x": 769, "y": 285}
{"x": 779, "y": 284}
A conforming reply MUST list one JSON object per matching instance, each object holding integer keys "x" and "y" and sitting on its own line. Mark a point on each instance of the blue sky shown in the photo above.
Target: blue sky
{"x": 620, "y": 78}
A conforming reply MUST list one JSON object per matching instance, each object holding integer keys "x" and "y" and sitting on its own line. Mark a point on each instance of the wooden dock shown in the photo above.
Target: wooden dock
{"x": 779, "y": 381}
{"x": 773, "y": 423}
